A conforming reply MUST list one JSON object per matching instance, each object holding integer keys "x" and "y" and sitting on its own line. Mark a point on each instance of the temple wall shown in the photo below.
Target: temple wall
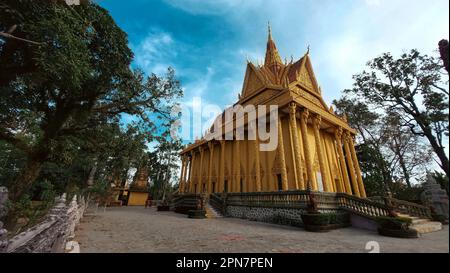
{"x": 137, "y": 198}
{"x": 332, "y": 179}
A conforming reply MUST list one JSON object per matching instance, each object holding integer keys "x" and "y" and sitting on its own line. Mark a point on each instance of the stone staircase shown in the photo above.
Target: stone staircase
{"x": 212, "y": 212}
{"x": 422, "y": 225}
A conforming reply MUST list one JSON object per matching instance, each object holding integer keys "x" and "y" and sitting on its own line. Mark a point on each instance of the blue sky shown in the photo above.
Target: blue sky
{"x": 207, "y": 42}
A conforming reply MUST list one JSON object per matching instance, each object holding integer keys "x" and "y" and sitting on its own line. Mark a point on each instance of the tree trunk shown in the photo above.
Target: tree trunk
{"x": 26, "y": 178}
{"x": 438, "y": 150}
{"x": 401, "y": 160}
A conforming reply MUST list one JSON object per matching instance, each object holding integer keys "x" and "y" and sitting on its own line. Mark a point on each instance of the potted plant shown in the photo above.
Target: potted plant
{"x": 316, "y": 221}
{"x": 396, "y": 227}
{"x": 313, "y": 220}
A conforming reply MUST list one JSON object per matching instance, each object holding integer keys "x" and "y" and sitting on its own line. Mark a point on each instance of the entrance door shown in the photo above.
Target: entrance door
{"x": 225, "y": 186}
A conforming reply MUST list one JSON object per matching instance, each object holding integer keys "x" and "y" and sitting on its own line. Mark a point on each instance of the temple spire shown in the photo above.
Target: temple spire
{"x": 273, "y": 59}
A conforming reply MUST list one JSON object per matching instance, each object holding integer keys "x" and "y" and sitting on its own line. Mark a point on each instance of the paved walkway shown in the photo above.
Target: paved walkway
{"x": 135, "y": 229}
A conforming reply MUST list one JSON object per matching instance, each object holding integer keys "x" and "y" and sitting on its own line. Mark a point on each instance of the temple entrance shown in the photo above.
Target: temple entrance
{"x": 225, "y": 186}
{"x": 214, "y": 187}
{"x": 242, "y": 185}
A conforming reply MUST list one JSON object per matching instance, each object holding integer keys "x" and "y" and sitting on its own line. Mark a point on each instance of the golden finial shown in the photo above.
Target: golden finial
{"x": 307, "y": 52}
{"x": 270, "y": 30}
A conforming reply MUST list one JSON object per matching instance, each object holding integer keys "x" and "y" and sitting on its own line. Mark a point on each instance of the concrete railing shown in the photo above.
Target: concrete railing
{"x": 53, "y": 233}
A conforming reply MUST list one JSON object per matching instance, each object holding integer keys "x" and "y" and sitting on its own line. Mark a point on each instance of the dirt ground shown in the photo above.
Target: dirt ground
{"x": 136, "y": 229}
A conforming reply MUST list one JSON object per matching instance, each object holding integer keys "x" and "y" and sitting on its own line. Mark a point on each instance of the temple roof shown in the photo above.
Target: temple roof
{"x": 276, "y": 72}
{"x": 272, "y": 56}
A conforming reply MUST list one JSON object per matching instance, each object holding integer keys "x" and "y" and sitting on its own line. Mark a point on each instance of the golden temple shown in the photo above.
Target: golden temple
{"x": 315, "y": 146}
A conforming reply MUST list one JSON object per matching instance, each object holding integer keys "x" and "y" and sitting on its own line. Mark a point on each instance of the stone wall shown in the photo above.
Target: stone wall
{"x": 268, "y": 214}
{"x": 52, "y": 234}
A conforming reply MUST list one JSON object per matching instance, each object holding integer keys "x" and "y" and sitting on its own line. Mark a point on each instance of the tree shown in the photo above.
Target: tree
{"x": 443, "y": 51}
{"x": 388, "y": 152}
{"x": 163, "y": 165}
{"x": 75, "y": 77}
{"x": 375, "y": 166}
{"x": 410, "y": 156}
{"x": 411, "y": 86}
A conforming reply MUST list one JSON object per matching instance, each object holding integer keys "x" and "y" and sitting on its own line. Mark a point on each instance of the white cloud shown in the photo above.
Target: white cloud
{"x": 154, "y": 52}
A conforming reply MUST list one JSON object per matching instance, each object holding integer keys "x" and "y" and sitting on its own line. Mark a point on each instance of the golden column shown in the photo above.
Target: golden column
{"x": 282, "y": 156}
{"x": 221, "y": 181}
{"x": 348, "y": 155}
{"x": 200, "y": 180}
{"x": 182, "y": 174}
{"x": 187, "y": 173}
{"x": 211, "y": 154}
{"x": 191, "y": 173}
{"x": 237, "y": 182}
{"x": 338, "y": 136}
{"x": 298, "y": 161}
{"x": 304, "y": 128}
{"x": 362, "y": 189}
{"x": 316, "y": 125}
{"x": 257, "y": 162}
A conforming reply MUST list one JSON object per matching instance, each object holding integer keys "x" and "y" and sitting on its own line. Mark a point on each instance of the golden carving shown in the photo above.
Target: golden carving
{"x": 305, "y": 79}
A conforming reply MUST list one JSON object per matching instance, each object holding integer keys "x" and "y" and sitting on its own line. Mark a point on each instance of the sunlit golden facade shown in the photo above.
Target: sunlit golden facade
{"x": 315, "y": 146}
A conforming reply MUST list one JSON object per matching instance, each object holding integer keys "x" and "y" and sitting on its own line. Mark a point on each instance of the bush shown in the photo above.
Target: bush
{"x": 395, "y": 223}
{"x": 340, "y": 218}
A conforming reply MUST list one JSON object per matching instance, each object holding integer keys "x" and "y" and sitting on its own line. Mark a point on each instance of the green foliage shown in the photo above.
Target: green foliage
{"x": 164, "y": 167}
{"x": 63, "y": 95}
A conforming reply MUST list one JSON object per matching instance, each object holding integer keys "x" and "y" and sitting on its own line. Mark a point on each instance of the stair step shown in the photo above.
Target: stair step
{"x": 404, "y": 215}
{"x": 211, "y": 212}
{"x": 419, "y": 221}
{"x": 427, "y": 227}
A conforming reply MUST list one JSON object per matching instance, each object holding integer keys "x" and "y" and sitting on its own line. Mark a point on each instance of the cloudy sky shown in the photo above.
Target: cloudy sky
{"x": 207, "y": 42}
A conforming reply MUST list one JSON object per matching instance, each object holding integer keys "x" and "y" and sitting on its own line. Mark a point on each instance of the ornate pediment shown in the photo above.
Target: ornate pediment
{"x": 253, "y": 81}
